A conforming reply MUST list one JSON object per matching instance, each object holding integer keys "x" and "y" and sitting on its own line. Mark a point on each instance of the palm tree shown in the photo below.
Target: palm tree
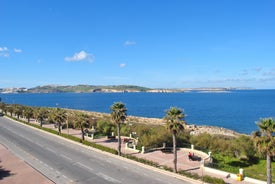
{"x": 265, "y": 143}
{"x": 18, "y": 110}
{"x": 28, "y": 112}
{"x": 81, "y": 121}
{"x": 10, "y": 109}
{"x": 118, "y": 115}
{"x": 175, "y": 123}
{"x": 59, "y": 117}
{"x": 41, "y": 114}
{"x": 3, "y": 107}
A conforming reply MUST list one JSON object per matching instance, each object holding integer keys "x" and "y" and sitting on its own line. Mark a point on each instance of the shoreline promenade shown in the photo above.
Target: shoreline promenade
{"x": 164, "y": 159}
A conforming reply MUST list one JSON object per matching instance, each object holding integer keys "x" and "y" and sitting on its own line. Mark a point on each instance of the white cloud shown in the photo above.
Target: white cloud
{"x": 4, "y": 51}
{"x": 128, "y": 43}
{"x": 122, "y": 65}
{"x": 17, "y": 50}
{"x": 80, "y": 56}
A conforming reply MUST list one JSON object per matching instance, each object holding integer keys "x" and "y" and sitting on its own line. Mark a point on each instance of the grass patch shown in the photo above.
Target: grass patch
{"x": 259, "y": 171}
{"x": 254, "y": 168}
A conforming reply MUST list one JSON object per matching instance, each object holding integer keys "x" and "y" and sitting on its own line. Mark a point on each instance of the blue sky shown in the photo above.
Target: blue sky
{"x": 152, "y": 43}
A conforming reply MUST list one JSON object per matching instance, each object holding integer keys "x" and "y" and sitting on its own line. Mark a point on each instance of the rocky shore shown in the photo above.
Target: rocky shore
{"x": 194, "y": 129}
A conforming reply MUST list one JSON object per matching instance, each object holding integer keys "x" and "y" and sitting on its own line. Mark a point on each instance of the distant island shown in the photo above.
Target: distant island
{"x": 107, "y": 89}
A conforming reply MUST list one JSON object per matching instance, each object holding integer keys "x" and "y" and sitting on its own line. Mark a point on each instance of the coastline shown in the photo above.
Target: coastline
{"x": 194, "y": 129}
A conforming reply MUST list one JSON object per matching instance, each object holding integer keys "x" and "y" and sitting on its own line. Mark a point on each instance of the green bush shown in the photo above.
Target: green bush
{"x": 100, "y": 147}
{"x": 141, "y": 160}
{"x": 105, "y": 128}
{"x": 213, "y": 180}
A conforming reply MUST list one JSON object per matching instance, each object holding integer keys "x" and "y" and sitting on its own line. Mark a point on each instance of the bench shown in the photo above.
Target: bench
{"x": 194, "y": 158}
{"x": 166, "y": 150}
{"x": 111, "y": 137}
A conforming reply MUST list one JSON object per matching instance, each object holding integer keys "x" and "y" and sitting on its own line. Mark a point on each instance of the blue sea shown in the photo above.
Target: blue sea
{"x": 238, "y": 110}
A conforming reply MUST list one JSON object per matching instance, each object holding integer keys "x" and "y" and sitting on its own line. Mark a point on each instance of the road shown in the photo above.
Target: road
{"x": 65, "y": 162}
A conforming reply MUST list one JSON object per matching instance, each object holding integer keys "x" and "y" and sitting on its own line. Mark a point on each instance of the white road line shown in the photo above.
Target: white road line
{"x": 108, "y": 178}
{"x": 51, "y": 150}
{"x": 84, "y": 166}
{"x": 68, "y": 158}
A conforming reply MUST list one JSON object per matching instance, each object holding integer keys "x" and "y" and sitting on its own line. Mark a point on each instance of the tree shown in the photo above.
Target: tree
{"x": 10, "y": 110}
{"x": 118, "y": 115}
{"x": 175, "y": 123}
{"x": 3, "y": 107}
{"x": 265, "y": 143}
{"x": 18, "y": 110}
{"x": 41, "y": 114}
{"x": 81, "y": 121}
{"x": 59, "y": 117}
{"x": 28, "y": 112}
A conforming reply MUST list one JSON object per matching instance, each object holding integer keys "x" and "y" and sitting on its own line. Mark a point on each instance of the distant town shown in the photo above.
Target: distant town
{"x": 107, "y": 89}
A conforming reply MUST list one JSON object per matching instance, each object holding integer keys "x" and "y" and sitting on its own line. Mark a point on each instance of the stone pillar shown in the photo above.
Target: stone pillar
{"x": 134, "y": 147}
{"x": 92, "y": 136}
{"x": 130, "y": 135}
{"x": 113, "y": 134}
{"x": 142, "y": 149}
{"x": 202, "y": 163}
{"x": 164, "y": 145}
{"x": 241, "y": 171}
{"x": 126, "y": 145}
{"x": 192, "y": 146}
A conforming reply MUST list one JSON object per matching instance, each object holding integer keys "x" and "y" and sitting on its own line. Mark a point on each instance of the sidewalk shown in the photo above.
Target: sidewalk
{"x": 15, "y": 170}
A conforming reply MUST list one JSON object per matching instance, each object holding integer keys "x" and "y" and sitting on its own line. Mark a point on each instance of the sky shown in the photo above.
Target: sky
{"x": 150, "y": 43}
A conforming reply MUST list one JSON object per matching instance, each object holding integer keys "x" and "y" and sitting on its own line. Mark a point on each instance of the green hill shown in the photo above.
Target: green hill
{"x": 86, "y": 89}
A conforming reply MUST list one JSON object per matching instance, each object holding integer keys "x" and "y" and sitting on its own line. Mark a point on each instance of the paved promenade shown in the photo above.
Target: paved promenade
{"x": 165, "y": 158}
{"x": 13, "y": 170}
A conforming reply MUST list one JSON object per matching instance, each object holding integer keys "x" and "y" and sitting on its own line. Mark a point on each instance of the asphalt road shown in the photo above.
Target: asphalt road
{"x": 65, "y": 162}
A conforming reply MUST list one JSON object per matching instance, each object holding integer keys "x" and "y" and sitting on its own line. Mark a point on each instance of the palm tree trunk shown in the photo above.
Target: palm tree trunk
{"x": 59, "y": 129}
{"x": 119, "y": 139}
{"x": 268, "y": 169}
{"x": 82, "y": 133}
{"x": 175, "y": 152}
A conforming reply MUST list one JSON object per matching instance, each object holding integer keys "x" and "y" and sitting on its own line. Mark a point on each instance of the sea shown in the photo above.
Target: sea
{"x": 238, "y": 110}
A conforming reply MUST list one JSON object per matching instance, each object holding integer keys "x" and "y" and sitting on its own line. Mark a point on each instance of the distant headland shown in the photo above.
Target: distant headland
{"x": 108, "y": 89}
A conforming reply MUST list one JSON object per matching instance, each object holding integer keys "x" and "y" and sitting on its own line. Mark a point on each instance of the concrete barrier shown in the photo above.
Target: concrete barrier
{"x": 219, "y": 172}
{"x": 254, "y": 181}
{"x": 234, "y": 176}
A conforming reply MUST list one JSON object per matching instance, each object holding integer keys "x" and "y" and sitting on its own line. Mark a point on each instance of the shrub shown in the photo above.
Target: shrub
{"x": 100, "y": 147}
{"x": 213, "y": 180}
{"x": 105, "y": 127}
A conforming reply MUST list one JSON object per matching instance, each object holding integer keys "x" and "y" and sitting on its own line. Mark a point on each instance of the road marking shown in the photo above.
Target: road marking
{"x": 68, "y": 158}
{"x": 108, "y": 178}
{"x": 84, "y": 166}
{"x": 51, "y": 150}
